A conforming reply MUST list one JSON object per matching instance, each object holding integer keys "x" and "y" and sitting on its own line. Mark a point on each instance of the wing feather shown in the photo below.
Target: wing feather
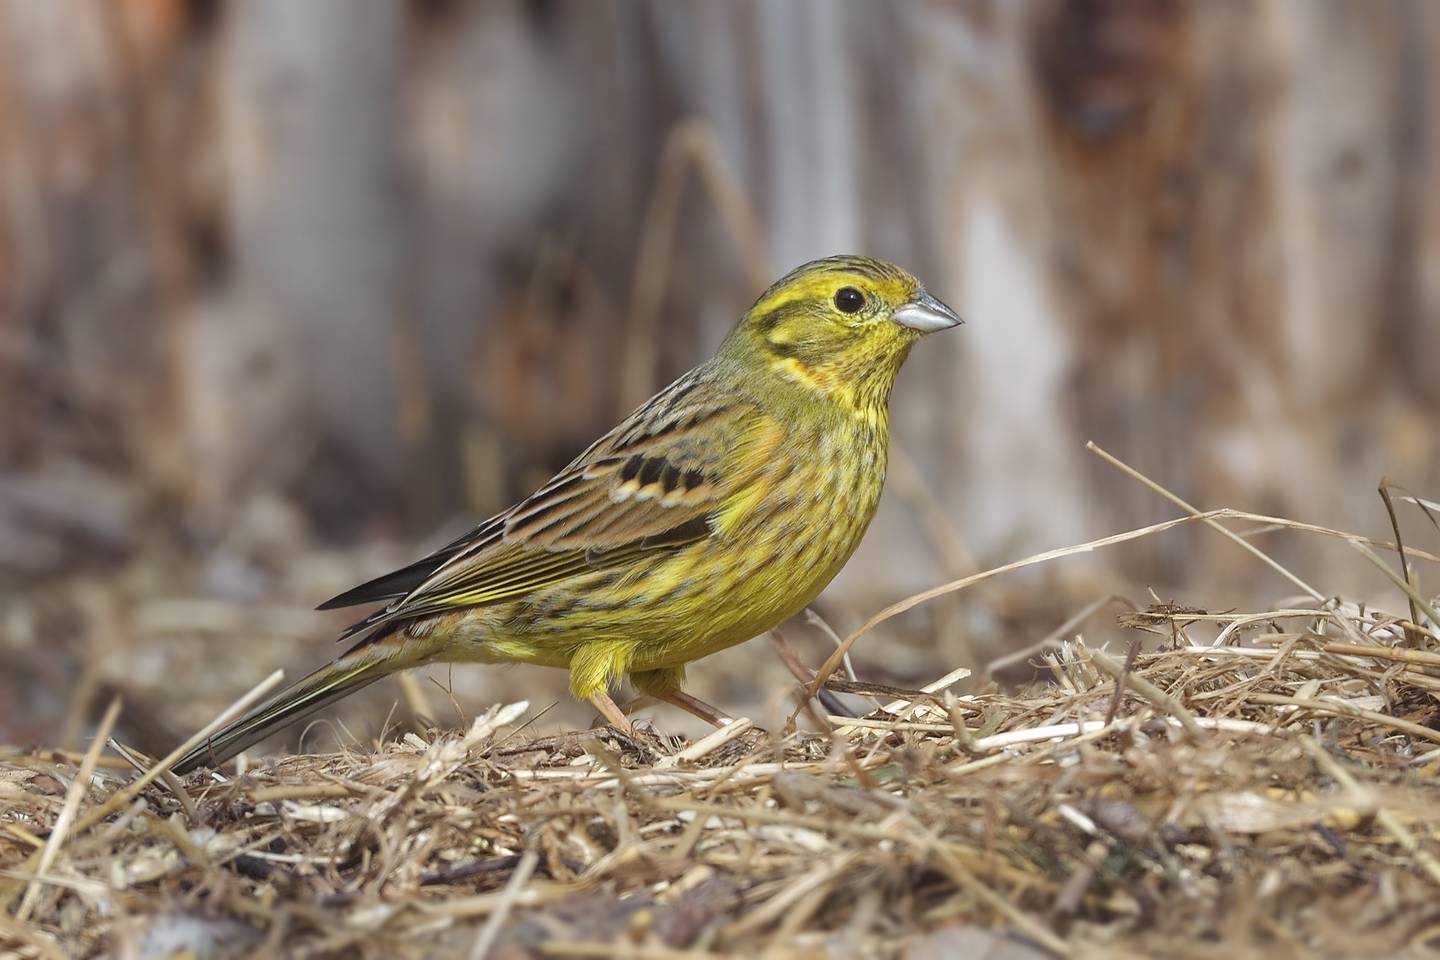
{"x": 651, "y": 484}
{"x": 401, "y": 582}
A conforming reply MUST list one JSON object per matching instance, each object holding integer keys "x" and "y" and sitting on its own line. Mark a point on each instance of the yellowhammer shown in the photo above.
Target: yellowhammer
{"x": 720, "y": 507}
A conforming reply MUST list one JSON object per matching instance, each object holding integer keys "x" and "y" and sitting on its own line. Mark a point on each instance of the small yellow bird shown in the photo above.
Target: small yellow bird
{"x": 720, "y": 507}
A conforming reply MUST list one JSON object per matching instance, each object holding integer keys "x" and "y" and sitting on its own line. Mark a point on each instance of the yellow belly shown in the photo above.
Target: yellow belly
{"x": 767, "y": 559}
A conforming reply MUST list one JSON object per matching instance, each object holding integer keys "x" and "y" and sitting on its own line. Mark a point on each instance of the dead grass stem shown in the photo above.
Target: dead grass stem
{"x": 1270, "y": 758}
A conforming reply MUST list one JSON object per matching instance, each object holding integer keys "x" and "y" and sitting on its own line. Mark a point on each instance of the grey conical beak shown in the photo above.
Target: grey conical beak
{"x": 926, "y": 314}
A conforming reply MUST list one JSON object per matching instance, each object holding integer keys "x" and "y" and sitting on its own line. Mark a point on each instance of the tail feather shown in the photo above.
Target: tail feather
{"x": 296, "y": 702}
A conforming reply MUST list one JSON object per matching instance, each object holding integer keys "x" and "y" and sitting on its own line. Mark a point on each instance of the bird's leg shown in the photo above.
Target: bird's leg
{"x": 696, "y": 707}
{"x": 636, "y": 703}
{"x": 664, "y": 685}
{"x": 611, "y": 713}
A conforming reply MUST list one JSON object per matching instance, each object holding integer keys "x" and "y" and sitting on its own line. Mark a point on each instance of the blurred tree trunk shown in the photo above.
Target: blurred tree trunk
{"x": 1152, "y": 181}
{"x": 320, "y": 231}
{"x": 92, "y": 271}
{"x": 1223, "y": 195}
{"x": 411, "y": 267}
{"x": 1418, "y": 336}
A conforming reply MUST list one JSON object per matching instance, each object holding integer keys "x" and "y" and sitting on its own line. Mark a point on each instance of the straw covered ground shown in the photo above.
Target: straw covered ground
{"x": 1236, "y": 784}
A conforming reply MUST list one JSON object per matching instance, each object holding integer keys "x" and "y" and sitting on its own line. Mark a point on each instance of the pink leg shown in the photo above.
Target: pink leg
{"x": 696, "y": 707}
{"x": 612, "y": 714}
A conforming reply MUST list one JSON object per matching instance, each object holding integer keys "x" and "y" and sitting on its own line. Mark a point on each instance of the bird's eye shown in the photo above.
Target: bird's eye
{"x": 848, "y": 299}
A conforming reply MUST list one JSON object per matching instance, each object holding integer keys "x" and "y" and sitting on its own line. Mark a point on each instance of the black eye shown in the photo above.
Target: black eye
{"x": 848, "y": 299}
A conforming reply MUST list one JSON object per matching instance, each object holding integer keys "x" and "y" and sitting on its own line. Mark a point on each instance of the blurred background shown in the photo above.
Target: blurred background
{"x": 292, "y": 292}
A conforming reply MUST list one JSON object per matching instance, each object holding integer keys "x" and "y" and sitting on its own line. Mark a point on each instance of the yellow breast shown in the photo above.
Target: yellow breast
{"x": 776, "y": 544}
{"x": 773, "y": 552}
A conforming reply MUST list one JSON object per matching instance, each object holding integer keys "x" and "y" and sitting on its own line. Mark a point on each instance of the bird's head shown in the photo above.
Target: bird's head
{"x": 842, "y": 326}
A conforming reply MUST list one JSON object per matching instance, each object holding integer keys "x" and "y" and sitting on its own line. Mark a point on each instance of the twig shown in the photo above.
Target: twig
{"x": 624, "y": 951}
{"x": 1405, "y": 585}
{"x": 301, "y": 791}
{"x": 14, "y": 932}
{"x": 1124, "y": 677}
{"x": 1396, "y": 654}
{"x": 1383, "y": 817}
{"x": 963, "y": 737}
{"x": 1343, "y": 709}
{"x": 800, "y": 672}
{"x": 415, "y": 697}
{"x": 1055, "y": 731}
{"x": 820, "y": 875}
{"x": 1208, "y": 519}
{"x": 123, "y": 797}
{"x": 78, "y": 788}
{"x": 1282, "y": 523}
{"x": 1414, "y": 636}
{"x": 708, "y": 744}
{"x": 820, "y": 623}
{"x": 1027, "y": 924}
{"x": 172, "y": 782}
{"x": 508, "y": 898}
{"x": 895, "y": 609}
{"x": 1051, "y": 640}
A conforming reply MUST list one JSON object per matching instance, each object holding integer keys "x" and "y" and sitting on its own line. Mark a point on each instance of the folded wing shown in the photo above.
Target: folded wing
{"x": 651, "y": 484}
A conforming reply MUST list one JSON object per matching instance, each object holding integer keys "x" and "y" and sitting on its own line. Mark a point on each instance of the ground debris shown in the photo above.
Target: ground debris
{"x": 1268, "y": 786}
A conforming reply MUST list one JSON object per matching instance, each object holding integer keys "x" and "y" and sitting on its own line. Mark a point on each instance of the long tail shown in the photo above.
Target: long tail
{"x": 361, "y": 666}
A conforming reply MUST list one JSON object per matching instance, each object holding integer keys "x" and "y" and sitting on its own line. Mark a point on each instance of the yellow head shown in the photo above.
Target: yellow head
{"x": 842, "y": 326}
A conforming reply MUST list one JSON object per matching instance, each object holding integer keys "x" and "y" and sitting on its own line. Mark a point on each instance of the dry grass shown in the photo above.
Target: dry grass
{"x": 1237, "y": 783}
{"x": 1264, "y": 793}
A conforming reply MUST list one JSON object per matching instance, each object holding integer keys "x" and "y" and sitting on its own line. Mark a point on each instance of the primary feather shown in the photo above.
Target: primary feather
{"x": 718, "y": 508}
